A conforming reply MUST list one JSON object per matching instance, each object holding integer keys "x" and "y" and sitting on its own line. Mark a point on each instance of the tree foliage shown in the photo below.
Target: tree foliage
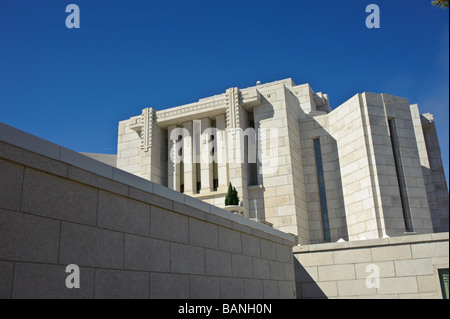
{"x": 440, "y": 3}
{"x": 232, "y": 197}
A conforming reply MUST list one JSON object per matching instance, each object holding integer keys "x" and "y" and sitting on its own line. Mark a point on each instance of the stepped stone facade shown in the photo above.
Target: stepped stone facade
{"x": 370, "y": 168}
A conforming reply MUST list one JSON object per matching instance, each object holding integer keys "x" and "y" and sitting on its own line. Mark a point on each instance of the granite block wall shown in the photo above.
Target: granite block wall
{"x": 131, "y": 238}
{"x": 406, "y": 266}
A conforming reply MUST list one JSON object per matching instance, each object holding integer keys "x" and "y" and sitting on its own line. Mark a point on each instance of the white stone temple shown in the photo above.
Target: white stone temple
{"x": 369, "y": 168}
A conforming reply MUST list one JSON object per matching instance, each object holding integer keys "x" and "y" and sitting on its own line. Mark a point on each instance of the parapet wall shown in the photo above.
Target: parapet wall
{"x": 402, "y": 267}
{"x": 131, "y": 238}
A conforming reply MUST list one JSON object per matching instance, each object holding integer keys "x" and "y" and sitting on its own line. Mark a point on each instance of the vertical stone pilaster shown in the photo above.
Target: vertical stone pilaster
{"x": 173, "y": 167}
{"x": 205, "y": 152}
{"x": 221, "y": 149}
{"x": 236, "y": 122}
{"x": 188, "y": 160}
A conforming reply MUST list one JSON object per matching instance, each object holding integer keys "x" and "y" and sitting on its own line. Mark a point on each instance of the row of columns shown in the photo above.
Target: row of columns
{"x": 196, "y": 146}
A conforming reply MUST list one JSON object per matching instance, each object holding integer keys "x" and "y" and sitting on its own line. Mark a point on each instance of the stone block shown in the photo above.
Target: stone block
{"x": 276, "y": 270}
{"x": 289, "y": 272}
{"x": 132, "y": 180}
{"x": 268, "y": 250}
{"x": 146, "y": 254}
{"x": 33, "y": 160}
{"x": 426, "y": 250}
{"x": 28, "y": 238}
{"x": 286, "y": 289}
{"x": 6, "y": 279}
{"x": 242, "y": 266}
{"x": 55, "y": 197}
{"x": 45, "y": 281}
{"x": 241, "y": 228}
{"x": 169, "y": 286}
{"x": 352, "y": 256}
{"x": 284, "y": 253}
{"x": 315, "y": 259}
{"x": 232, "y": 288}
{"x": 89, "y": 246}
{"x": 203, "y": 234}
{"x": 121, "y": 213}
{"x": 261, "y": 234}
{"x": 229, "y": 240}
{"x": 253, "y": 289}
{"x": 419, "y": 296}
{"x": 319, "y": 290}
{"x": 337, "y": 272}
{"x": 398, "y": 285}
{"x": 188, "y": 211}
{"x": 217, "y": 263}
{"x": 348, "y": 288}
{"x": 196, "y": 203}
{"x": 168, "y": 193}
{"x": 306, "y": 274}
{"x": 86, "y": 163}
{"x": 413, "y": 267}
{"x": 91, "y": 179}
{"x": 387, "y": 269}
{"x": 261, "y": 268}
{"x": 121, "y": 284}
{"x": 440, "y": 236}
{"x": 391, "y": 253}
{"x": 187, "y": 259}
{"x": 148, "y": 198}
{"x": 11, "y": 176}
{"x": 212, "y": 218}
{"x": 21, "y": 139}
{"x": 204, "y": 287}
{"x": 271, "y": 289}
{"x": 168, "y": 225}
{"x": 426, "y": 283}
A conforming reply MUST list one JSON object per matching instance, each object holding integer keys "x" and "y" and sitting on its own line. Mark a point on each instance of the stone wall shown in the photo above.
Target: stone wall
{"x": 363, "y": 194}
{"x": 110, "y": 159}
{"x": 130, "y": 237}
{"x": 432, "y": 168}
{"x": 408, "y": 267}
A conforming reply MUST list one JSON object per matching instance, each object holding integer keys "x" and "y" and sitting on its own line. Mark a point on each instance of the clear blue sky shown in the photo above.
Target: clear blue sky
{"x": 73, "y": 86}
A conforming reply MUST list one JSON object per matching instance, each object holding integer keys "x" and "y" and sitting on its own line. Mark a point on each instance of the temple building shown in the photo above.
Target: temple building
{"x": 369, "y": 168}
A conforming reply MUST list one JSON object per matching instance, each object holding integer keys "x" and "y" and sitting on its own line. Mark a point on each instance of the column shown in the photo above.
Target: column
{"x": 173, "y": 167}
{"x": 205, "y": 157}
{"x": 221, "y": 149}
{"x": 190, "y": 185}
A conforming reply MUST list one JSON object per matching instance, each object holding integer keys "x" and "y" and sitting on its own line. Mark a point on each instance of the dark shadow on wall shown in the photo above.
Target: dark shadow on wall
{"x": 334, "y": 198}
{"x": 434, "y": 177}
{"x": 437, "y": 195}
{"x": 306, "y": 287}
{"x": 257, "y": 178}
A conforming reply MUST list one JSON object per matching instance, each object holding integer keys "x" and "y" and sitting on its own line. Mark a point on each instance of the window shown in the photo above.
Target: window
{"x": 322, "y": 194}
{"x": 443, "y": 278}
{"x": 182, "y": 177}
{"x": 400, "y": 175}
{"x": 198, "y": 175}
{"x": 215, "y": 172}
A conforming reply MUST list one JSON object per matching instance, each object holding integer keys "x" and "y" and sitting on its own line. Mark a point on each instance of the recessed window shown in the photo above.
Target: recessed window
{"x": 198, "y": 176}
{"x": 322, "y": 193}
{"x": 400, "y": 175}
